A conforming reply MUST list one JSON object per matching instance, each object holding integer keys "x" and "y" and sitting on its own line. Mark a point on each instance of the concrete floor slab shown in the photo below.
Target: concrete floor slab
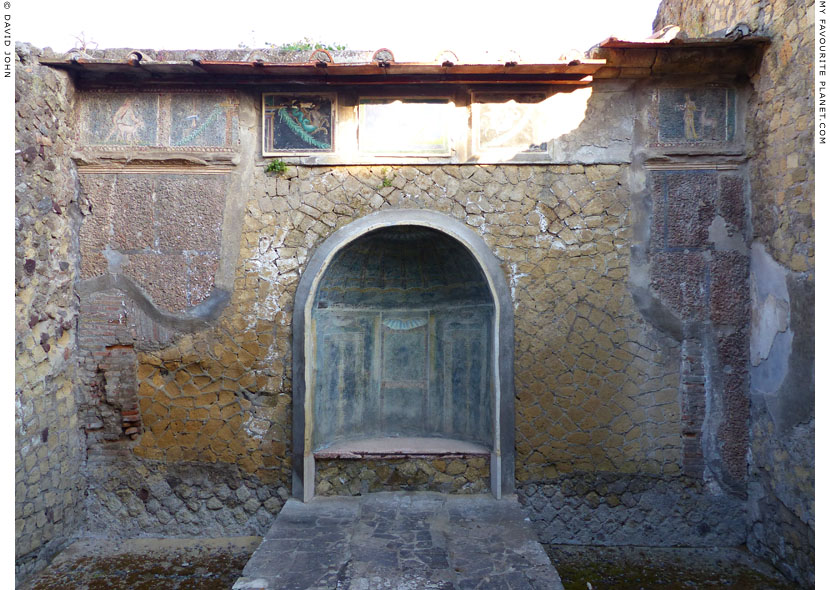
{"x": 400, "y": 541}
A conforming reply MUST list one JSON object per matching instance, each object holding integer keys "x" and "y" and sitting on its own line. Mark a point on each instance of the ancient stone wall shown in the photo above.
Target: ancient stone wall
{"x": 348, "y": 477}
{"x": 633, "y": 509}
{"x": 628, "y": 266}
{"x": 688, "y": 276}
{"x": 602, "y": 387}
{"x": 782, "y": 187}
{"x": 596, "y": 386}
{"x": 49, "y": 485}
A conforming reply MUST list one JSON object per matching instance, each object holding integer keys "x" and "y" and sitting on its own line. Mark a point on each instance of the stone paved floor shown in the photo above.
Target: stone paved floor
{"x": 116, "y": 563}
{"x": 400, "y": 541}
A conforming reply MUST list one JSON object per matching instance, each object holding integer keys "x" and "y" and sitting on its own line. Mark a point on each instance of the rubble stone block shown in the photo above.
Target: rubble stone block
{"x": 201, "y": 273}
{"x": 189, "y": 211}
{"x": 162, "y": 276}
{"x": 678, "y": 278}
{"x": 684, "y": 207}
{"x": 730, "y": 288}
{"x": 131, "y": 210}
{"x": 731, "y": 203}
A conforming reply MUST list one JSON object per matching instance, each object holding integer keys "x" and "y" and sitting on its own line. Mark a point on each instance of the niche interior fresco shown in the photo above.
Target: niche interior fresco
{"x": 403, "y": 322}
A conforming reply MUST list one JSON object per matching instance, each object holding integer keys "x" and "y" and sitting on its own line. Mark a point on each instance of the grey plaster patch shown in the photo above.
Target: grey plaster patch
{"x": 719, "y": 236}
{"x": 194, "y": 319}
{"x": 782, "y": 345}
{"x": 400, "y": 541}
{"x": 604, "y": 135}
{"x": 770, "y": 340}
{"x": 114, "y": 260}
{"x": 794, "y": 402}
{"x": 770, "y": 276}
{"x": 656, "y": 312}
{"x": 770, "y": 317}
{"x": 769, "y": 371}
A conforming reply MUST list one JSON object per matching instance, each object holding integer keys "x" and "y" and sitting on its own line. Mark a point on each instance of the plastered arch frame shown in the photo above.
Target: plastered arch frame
{"x": 502, "y": 455}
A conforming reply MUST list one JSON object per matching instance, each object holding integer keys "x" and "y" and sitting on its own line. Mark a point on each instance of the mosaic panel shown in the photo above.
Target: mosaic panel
{"x": 696, "y": 115}
{"x": 298, "y": 123}
{"x": 120, "y": 119}
{"x": 184, "y": 121}
{"x": 203, "y": 120}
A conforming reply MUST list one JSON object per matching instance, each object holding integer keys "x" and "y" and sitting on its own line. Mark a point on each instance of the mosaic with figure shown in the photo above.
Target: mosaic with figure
{"x": 295, "y": 123}
{"x": 696, "y": 115}
{"x": 510, "y": 123}
{"x": 203, "y": 120}
{"x": 166, "y": 121}
{"x": 120, "y": 119}
{"x": 405, "y": 126}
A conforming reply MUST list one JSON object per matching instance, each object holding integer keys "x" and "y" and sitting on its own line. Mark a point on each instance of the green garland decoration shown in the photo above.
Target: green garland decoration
{"x": 200, "y": 129}
{"x": 298, "y": 130}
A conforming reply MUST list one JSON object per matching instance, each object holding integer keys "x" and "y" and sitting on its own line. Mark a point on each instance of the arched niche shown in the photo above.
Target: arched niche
{"x": 403, "y": 340}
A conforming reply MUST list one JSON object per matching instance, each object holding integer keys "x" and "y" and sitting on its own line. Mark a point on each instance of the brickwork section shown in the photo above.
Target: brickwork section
{"x": 344, "y": 477}
{"x": 207, "y": 485}
{"x": 163, "y": 231}
{"x": 108, "y": 369}
{"x": 620, "y": 509}
{"x": 48, "y": 446}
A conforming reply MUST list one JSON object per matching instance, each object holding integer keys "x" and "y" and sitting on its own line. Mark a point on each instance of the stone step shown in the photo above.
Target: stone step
{"x": 400, "y": 541}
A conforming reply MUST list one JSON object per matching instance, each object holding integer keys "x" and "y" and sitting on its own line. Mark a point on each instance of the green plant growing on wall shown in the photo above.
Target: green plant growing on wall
{"x": 277, "y": 167}
{"x": 386, "y": 180}
{"x": 306, "y": 44}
